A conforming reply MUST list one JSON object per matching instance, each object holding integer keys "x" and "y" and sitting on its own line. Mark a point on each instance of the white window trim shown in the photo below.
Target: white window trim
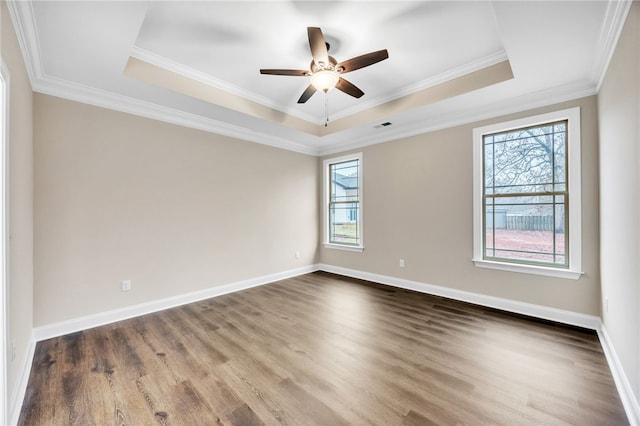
{"x": 575, "y": 199}
{"x": 325, "y": 203}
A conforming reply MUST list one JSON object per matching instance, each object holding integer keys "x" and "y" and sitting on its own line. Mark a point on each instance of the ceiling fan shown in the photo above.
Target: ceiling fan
{"x": 325, "y": 71}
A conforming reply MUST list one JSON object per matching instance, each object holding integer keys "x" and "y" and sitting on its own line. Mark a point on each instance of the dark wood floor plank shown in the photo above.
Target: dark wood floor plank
{"x": 322, "y": 349}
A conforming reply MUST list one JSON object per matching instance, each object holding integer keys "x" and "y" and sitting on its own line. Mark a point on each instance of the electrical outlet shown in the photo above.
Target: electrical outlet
{"x": 297, "y": 255}
{"x": 126, "y": 285}
{"x": 606, "y": 305}
{"x": 402, "y": 263}
{"x": 13, "y": 350}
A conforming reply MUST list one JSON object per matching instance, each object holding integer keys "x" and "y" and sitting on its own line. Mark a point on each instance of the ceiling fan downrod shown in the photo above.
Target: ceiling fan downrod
{"x": 326, "y": 108}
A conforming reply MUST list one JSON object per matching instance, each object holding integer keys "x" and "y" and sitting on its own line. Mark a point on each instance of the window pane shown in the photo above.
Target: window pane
{"x": 344, "y": 223}
{"x": 494, "y": 218}
{"x": 344, "y": 203}
{"x": 560, "y": 232}
{"x": 488, "y": 164}
{"x": 560, "y": 156}
{"x": 344, "y": 181}
{"x": 533, "y": 236}
{"x": 525, "y": 160}
{"x": 521, "y": 227}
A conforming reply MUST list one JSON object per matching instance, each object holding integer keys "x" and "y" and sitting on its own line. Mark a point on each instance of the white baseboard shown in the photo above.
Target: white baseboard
{"x": 558, "y": 315}
{"x": 108, "y": 317}
{"x": 17, "y": 396}
{"x": 629, "y": 400}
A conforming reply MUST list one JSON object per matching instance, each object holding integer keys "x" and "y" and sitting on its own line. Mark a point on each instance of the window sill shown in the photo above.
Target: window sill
{"x": 529, "y": 269}
{"x": 358, "y": 249}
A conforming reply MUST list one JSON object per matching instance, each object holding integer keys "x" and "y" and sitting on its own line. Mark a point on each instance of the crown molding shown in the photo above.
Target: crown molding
{"x": 433, "y": 123}
{"x": 89, "y": 95}
{"x": 615, "y": 17}
{"x": 24, "y": 22}
{"x": 444, "y": 77}
{"x": 101, "y": 98}
{"x": 204, "y": 78}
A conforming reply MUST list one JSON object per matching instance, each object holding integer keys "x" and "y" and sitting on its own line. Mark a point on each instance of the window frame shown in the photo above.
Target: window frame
{"x": 326, "y": 202}
{"x": 574, "y": 197}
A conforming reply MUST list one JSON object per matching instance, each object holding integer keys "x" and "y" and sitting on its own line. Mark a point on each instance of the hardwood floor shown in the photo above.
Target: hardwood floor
{"x": 321, "y": 349}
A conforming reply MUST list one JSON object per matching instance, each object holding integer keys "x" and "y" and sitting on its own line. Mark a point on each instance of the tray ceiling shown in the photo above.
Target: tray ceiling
{"x": 197, "y": 63}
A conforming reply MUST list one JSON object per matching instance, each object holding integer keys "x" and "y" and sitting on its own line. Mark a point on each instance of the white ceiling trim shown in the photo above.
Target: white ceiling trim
{"x": 523, "y": 103}
{"x": 89, "y": 95}
{"x": 617, "y": 12}
{"x": 24, "y": 21}
{"x": 168, "y": 64}
{"x": 460, "y": 71}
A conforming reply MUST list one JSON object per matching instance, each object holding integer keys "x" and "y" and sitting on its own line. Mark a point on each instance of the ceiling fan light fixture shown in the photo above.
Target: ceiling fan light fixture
{"x": 325, "y": 71}
{"x": 325, "y": 80}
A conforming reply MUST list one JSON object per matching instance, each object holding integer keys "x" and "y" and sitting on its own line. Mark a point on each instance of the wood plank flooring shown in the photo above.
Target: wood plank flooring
{"x": 321, "y": 349}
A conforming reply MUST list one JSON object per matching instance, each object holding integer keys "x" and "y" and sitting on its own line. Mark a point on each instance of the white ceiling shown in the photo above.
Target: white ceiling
{"x": 80, "y": 50}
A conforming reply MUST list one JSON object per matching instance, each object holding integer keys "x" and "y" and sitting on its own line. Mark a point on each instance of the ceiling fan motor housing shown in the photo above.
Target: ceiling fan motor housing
{"x": 331, "y": 66}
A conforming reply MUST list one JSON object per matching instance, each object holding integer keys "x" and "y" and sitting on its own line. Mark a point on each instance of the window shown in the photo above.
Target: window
{"x": 343, "y": 202}
{"x": 527, "y": 195}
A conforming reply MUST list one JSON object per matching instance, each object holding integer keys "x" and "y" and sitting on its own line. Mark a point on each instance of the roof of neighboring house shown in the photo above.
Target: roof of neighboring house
{"x": 347, "y": 182}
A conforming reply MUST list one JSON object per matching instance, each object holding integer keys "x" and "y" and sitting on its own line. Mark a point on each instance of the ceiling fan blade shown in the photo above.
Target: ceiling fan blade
{"x": 362, "y": 61}
{"x": 301, "y": 73}
{"x": 349, "y": 88}
{"x": 309, "y": 91}
{"x": 318, "y": 46}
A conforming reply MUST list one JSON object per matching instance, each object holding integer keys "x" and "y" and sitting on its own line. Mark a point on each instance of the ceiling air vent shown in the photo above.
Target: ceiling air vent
{"x": 385, "y": 124}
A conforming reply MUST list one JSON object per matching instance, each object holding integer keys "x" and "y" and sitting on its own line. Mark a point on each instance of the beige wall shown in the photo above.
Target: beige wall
{"x": 173, "y": 209}
{"x": 619, "y": 115}
{"x": 418, "y": 207}
{"x": 20, "y": 288}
